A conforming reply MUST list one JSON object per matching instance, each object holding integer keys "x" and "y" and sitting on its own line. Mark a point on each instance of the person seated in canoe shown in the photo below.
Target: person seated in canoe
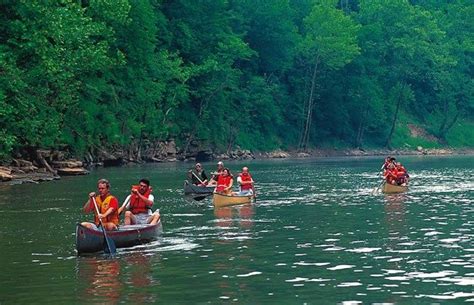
{"x": 198, "y": 175}
{"x": 107, "y": 205}
{"x": 217, "y": 173}
{"x": 402, "y": 174}
{"x": 224, "y": 182}
{"x": 389, "y": 160}
{"x": 390, "y": 174}
{"x": 245, "y": 182}
{"x": 138, "y": 205}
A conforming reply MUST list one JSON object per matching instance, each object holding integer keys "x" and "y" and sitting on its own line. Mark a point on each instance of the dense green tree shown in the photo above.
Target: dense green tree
{"x": 408, "y": 46}
{"x": 47, "y": 49}
{"x": 329, "y": 42}
{"x": 99, "y": 75}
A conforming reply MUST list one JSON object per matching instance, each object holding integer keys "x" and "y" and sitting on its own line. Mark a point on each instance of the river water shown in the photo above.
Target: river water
{"x": 316, "y": 235}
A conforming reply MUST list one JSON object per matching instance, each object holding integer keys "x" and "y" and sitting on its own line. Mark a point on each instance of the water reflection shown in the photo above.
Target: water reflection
{"x": 111, "y": 280}
{"x": 395, "y": 211}
{"x": 101, "y": 279}
{"x": 234, "y": 267}
{"x": 228, "y": 216}
{"x": 140, "y": 278}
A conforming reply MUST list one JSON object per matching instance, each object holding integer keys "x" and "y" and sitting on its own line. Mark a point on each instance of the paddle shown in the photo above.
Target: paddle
{"x": 123, "y": 205}
{"x": 254, "y": 193}
{"x": 378, "y": 187}
{"x": 108, "y": 241}
{"x": 200, "y": 181}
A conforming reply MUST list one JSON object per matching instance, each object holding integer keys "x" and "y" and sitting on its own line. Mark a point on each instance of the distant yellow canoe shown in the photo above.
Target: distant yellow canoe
{"x": 221, "y": 200}
{"x": 392, "y": 189}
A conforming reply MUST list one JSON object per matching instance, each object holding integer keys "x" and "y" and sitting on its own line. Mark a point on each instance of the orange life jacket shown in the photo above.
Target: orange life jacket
{"x": 137, "y": 205}
{"x": 103, "y": 207}
{"x": 245, "y": 177}
{"x": 223, "y": 182}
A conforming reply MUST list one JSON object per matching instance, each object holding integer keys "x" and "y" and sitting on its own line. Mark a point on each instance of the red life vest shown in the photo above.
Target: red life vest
{"x": 137, "y": 205}
{"x": 245, "y": 177}
{"x": 391, "y": 175}
{"x": 223, "y": 182}
{"x": 103, "y": 206}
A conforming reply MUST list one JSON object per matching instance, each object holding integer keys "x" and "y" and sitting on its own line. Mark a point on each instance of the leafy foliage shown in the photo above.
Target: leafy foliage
{"x": 255, "y": 74}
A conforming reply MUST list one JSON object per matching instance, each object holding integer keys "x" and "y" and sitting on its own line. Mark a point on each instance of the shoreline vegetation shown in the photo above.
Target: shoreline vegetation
{"x": 52, "y": 165}
{"x": 122, "y": 81}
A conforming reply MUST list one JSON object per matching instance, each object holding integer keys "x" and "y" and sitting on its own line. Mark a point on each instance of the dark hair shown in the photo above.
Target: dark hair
{"x": 228, "y": 170}
{"x": 146, "y": 181}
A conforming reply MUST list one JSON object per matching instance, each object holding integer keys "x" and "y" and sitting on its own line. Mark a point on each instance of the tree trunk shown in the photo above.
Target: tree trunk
{"x": 388, "y": 143}
{"x": 44, "y": 163}
{"x": 306, "y": 90}
{"x": 309, "y": 112}
{"x": 361, "y": 129}
{"x": 231, "y": 141}
{"x": 202, "y": 106}
{"x": 445, "y": 126}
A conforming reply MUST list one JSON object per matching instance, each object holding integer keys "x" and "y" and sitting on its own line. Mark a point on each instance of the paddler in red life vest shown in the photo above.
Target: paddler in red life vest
{"x": 402, "y": 174}
{"x": 107, "y": 206}
{"x": 224, "y": 182}
{"x": 245, "y": 182}
{"x": 387, "y": 161}
{"x": 216, "y": 174}
{"x": 390, "y": 174}
{"x": 138, "y": 205}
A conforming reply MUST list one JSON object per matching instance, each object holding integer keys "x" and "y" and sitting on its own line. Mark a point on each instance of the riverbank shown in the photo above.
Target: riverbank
{"x": 46, "y": 168}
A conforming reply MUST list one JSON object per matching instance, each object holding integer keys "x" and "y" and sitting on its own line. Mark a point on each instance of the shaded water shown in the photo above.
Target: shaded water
{"x": 316, "y": 235}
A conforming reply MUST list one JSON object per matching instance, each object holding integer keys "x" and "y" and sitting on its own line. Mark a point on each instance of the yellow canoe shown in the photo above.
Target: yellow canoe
{"x": 221, "y": 200}
{"x": 392, "y": 189}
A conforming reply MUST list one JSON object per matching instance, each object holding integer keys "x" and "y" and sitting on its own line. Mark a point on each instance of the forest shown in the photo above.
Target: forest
{"x": 79, "y": 75}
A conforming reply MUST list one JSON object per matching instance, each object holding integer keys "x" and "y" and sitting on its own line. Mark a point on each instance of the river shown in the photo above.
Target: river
{"x": 316, "y": 235}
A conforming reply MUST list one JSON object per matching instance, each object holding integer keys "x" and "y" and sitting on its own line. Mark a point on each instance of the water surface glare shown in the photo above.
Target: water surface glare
{"x": 316, "y": 235}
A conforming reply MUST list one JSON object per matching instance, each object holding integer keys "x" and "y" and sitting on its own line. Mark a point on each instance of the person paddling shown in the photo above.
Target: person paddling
{"x": 245, "y": 182}
{"x": 138, "y": 205}
{"x": 106, "y": 204}
{"x": 198, "y": 175}
{"x": 216, "y": 174}
{"x": 224, "y": 182}
{"x": 402, "y": 174}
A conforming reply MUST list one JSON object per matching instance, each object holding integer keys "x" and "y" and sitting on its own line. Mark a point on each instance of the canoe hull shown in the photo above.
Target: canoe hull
{"x": 221, "y": 200}
{"x": 393, "y": 189}
{"x": 90, "y": 240}
{"x": 197, "y": 192}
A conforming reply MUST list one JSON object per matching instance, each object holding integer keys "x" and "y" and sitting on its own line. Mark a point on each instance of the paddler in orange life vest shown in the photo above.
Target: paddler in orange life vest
{"x": 138, "y": 205}
{"x": 224, "y": 182}
{"x": 246, "y": 182}
{"x": 107, "y": 205}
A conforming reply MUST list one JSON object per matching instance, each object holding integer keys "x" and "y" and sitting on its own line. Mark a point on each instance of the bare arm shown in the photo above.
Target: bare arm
{"x": 88, "y": 206}
{"x": 230, "y": 184}
{"x": 147, "y": 201}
